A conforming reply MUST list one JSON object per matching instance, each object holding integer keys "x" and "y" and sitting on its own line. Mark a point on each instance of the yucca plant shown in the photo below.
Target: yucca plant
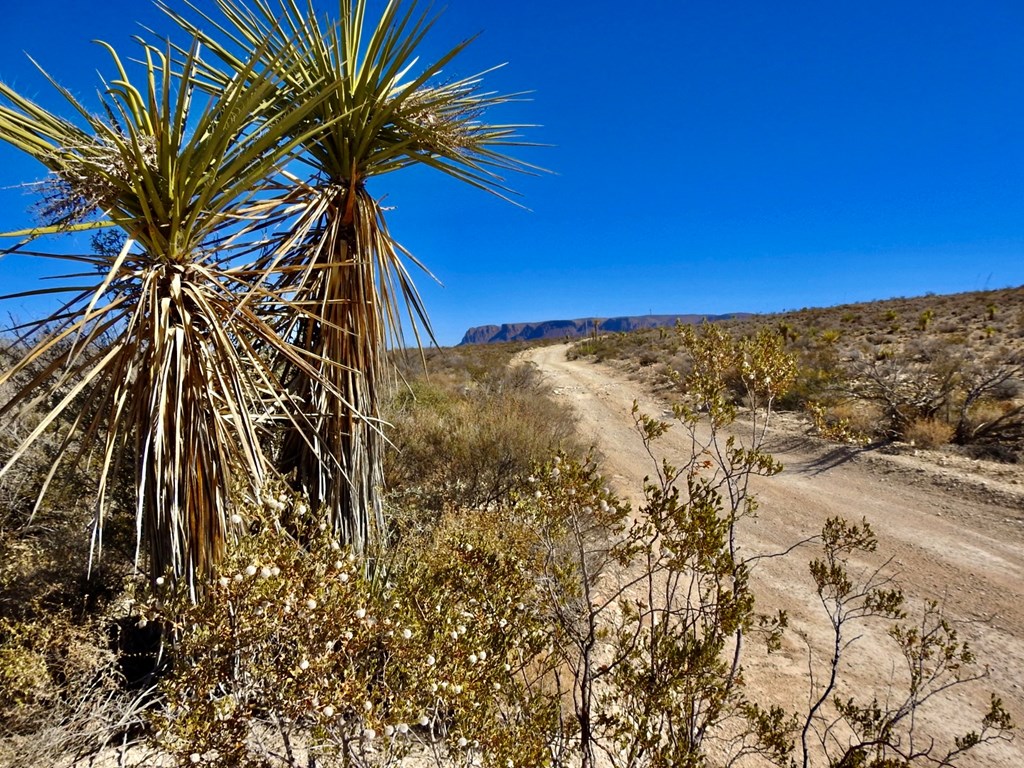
{"x": 338, "y": 262}
{"x": 159, "y": 355}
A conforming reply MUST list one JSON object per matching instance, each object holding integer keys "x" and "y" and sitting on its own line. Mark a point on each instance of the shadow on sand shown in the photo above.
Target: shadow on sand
{"x": 818, "y": 462}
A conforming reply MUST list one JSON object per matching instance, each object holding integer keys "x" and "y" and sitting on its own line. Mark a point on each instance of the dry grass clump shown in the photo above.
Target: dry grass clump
{"x": 929, "y": 433}
{"x": 467, "y": 433}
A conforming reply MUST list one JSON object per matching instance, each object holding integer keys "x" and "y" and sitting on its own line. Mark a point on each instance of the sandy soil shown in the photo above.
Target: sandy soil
{"x": 952, "y": 530}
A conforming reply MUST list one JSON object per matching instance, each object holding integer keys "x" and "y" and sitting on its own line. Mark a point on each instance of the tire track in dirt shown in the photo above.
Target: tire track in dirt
{"x": 964, "y": 553}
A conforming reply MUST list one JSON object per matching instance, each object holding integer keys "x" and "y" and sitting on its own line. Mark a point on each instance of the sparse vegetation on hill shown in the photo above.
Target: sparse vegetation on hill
{"x": 933, "y": 370}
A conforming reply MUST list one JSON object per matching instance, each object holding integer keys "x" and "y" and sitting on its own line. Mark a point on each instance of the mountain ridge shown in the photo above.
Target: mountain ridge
{"x": 573, "y": 329}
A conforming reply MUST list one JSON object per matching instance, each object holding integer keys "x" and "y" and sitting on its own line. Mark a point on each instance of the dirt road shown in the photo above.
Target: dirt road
{"x": 965, "y": 551}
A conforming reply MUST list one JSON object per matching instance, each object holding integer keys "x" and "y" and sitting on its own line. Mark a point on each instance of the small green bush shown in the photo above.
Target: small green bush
{"x": 51, "y": 668}
{"x": 25, "y": 679}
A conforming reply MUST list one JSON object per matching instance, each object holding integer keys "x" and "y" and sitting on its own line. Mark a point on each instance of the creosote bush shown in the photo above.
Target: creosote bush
{"x": 849, "y": 730}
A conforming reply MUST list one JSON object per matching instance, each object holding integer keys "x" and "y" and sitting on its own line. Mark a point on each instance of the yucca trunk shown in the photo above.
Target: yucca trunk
{"x": 181, "y": 492}
{"x": 188, "y": 425}
{"x": 338, "y": 462}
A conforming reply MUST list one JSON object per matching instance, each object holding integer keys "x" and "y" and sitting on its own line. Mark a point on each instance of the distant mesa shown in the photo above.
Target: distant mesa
{"x": 573, "y": 329}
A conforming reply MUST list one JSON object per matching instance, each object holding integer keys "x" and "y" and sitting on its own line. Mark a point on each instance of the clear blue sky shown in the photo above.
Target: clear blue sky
{"x": 708, "y": 156}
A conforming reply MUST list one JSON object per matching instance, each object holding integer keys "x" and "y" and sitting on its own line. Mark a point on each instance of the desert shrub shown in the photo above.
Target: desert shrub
{"x": 849, "y": 730}
{"x": 906, "y": 387}
{"x": 817, "y": 371}
{"x": 986, "y": 412}
{"x": 42, "y": 661}
{"x": 924, "y": 391}
{"x": 25, "y": 680}
{"x": 724, "y": 371}
{"x": 814, "y": 380}
{"x": 585, "y": 348}
{"x": 648, "y": 357}
{"x": 992, "y": 429}
{"x": 925, "y": 319}
{"x": 303, "y": 651}
{"x": 839, "y": 422}
{"x": 929, "y": 433}
{"x": 989, "y": 411}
